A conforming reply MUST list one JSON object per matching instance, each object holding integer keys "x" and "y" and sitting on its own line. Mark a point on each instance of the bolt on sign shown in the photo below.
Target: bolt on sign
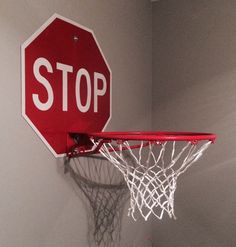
{"x": 66, "y": 82}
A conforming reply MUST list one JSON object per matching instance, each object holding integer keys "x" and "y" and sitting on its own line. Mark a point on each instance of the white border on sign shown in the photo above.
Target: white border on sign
{"x": 24, "y": 46}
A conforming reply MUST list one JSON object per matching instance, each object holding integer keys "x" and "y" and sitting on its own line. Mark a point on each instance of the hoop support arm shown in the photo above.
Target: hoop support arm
{"x": 83, "y": 145}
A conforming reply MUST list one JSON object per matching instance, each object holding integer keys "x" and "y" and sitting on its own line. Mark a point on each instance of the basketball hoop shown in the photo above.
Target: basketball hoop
{"x": 155, "y": 161}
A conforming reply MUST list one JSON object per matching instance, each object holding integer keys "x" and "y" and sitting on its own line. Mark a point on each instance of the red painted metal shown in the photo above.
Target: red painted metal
{"x": 154, "y": 136}
{"x": 63, "y": 42}
{"x": 84, "y": 146}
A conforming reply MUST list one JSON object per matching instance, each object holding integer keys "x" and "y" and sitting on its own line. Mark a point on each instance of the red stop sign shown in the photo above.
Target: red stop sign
{"x": 66, "y": 83}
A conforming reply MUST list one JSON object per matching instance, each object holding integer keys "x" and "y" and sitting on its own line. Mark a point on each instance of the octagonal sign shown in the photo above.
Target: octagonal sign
{"x": 66, "y": 83}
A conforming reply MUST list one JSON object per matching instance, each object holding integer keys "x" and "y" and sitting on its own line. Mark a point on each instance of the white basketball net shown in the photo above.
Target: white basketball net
{"x": 151, "y": 171}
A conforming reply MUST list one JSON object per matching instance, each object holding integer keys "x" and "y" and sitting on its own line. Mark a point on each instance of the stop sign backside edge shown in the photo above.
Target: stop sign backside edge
{"x": 66, "y": 83}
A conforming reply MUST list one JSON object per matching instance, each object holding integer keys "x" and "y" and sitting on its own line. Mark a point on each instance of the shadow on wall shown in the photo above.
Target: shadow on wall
{"x": 200, "y": 106}
{"x": 194, "y": 67}
{"x": 104, "y": 193}
{"x": 212, "y": 207}
{"x": 194, "y": 70}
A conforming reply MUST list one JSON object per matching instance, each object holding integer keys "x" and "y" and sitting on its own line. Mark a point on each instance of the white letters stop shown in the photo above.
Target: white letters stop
{"x": 66, "y": 69}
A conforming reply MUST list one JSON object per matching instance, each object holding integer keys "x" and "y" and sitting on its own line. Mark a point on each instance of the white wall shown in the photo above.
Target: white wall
{"x": 194, "y": 88}
{"x": 38, "y": 206}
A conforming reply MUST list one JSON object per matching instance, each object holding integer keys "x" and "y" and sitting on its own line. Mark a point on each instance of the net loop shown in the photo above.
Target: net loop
{"x": 151, "y": 171}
